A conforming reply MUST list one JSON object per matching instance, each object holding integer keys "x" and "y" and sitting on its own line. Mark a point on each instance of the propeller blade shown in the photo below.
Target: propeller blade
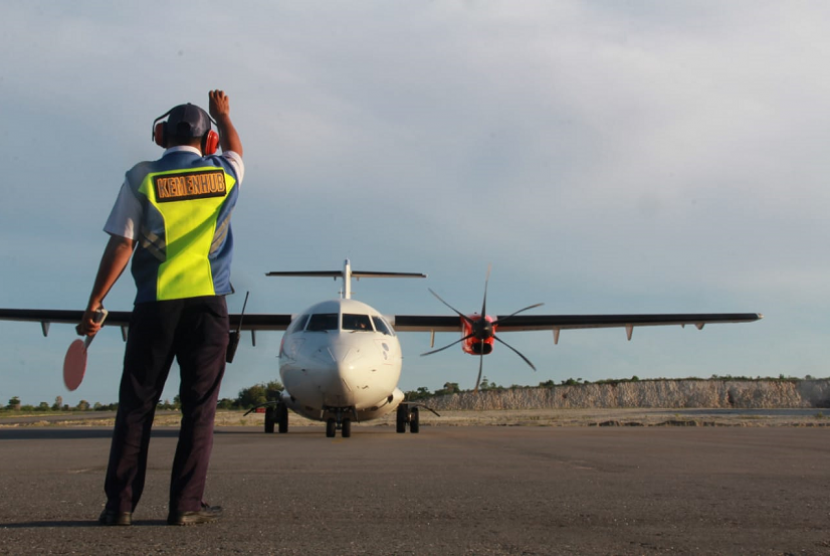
{"x": 480, "y": 368}
{"x": 526, "y": 360}
{"x": 467, "y": 337}
{"x": 486, "y": 281}
{"x": 501, "y": 320}
{"x": 459, "y": 313}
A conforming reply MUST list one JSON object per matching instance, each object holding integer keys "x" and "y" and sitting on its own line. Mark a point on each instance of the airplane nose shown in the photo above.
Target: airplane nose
{"x": 337, "y": 372}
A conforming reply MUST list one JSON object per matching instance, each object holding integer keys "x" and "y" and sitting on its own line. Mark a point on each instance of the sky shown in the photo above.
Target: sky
{"x": 604, "y": 157}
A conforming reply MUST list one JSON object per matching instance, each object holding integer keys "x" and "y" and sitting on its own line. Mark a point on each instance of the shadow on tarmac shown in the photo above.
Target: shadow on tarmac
{"x": 63, "y": 433}
{"x": 78, "y": 524}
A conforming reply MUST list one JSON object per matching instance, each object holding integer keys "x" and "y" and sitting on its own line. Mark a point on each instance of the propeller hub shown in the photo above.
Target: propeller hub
{"x": 483, "y": 329}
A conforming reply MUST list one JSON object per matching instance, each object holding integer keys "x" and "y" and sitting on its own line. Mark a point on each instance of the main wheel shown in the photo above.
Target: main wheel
{"x": 414, "y": 421}
{"x": 402, "y": 418}
{"x": 281, "y": 417}
{"x": 331, "y": 428}
{"x": 269, "y": 420}
{"x": 346, "y": 428}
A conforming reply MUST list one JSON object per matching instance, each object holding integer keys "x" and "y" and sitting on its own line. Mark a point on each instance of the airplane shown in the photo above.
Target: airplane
{"x": 340, "y": 360}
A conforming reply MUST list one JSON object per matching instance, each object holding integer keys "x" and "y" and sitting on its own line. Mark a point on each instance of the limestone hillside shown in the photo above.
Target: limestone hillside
{"x": 648, "y": 393}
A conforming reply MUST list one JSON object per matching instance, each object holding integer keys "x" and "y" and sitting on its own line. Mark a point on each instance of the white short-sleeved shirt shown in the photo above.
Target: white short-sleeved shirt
{"x": 125, "y": 217}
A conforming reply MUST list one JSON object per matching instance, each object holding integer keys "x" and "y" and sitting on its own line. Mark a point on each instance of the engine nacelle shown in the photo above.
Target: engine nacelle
{"x": 475, "y": 345}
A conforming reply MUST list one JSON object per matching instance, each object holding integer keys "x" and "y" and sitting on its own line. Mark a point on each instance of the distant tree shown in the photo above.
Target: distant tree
{"x": 420, "y": 393}
{"x": 44, "y": 406}
{"x": 58, "y": 404}
{"x": 487, "y": 385}
{"x": 14, "y": 403}
{"x": 226, "y": 403}
{"x": 254, "y": 395}
{"x": 273, "y": 389}
{"x": 449, "y": 388}
{"x": 83, "y": 405}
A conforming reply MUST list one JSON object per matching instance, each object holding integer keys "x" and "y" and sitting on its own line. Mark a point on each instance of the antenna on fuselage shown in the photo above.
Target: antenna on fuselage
{"x": 347, "y": 274}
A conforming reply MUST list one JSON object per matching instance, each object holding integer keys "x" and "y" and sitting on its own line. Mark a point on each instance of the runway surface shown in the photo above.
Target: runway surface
{"x": 447, "y": 490}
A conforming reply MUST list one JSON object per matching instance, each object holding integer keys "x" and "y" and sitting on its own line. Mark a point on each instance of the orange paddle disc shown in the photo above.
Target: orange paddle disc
{"x": 74, "y": 365}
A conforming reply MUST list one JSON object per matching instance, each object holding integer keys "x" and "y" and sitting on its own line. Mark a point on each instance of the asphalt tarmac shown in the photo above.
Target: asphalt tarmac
{"x": 447, "y": 490}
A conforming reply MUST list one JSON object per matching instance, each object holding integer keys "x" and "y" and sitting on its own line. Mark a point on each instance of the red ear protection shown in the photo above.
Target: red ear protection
{"x": 159, "y": 134}
{"x": 210, "y": 141}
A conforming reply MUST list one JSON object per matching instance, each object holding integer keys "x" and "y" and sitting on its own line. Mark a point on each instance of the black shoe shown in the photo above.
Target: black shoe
{"x": 111, "y": 517}
{"x": 206, "y": 515}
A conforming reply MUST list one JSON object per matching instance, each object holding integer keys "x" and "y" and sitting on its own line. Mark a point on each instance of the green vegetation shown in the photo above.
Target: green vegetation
{"x": 247, "y": 398}
{"x": 252, "y": 396}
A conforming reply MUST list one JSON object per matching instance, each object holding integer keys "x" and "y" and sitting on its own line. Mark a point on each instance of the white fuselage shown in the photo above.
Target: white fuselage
{"x": 341, "y": 356}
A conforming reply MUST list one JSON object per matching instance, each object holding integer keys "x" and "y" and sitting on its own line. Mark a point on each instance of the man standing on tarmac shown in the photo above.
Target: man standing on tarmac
{"x": 177, "y": 211}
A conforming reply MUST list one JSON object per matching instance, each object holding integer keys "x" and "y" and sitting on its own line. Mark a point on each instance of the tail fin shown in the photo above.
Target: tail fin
{"x": 347, "y": 274}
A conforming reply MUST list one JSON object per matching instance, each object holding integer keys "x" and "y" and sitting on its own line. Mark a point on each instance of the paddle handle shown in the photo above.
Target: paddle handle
{"x": 99, "y": 317}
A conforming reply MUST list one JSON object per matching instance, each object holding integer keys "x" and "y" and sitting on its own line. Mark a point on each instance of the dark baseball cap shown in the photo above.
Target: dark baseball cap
{"x": 188, "y": 120}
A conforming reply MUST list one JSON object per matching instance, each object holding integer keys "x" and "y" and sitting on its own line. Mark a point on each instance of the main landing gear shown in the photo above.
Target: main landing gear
{"x": 276, "y": 415}
{"x": 407, "y": 415}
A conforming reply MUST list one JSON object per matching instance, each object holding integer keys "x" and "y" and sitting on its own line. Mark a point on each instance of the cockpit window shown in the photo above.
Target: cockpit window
{"x": 322, "y": 321}
{"x": 297, "y": 324}
{"x": 382, "y": 326}
{"x": 359, "y": 323}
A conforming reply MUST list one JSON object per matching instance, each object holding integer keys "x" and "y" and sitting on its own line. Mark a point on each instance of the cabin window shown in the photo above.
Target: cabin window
{"x": 322, "y": 321}
{"x": 358, "y": 323}
{"x": 297, "y": 325}
{"x": 382, "y": 326}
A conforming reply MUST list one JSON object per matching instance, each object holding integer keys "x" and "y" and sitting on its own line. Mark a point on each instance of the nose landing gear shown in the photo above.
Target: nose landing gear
{"x": 339, "y": 422}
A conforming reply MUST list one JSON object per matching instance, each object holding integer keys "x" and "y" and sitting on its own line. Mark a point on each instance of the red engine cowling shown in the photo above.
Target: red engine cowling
{"x": 477, "y": 346}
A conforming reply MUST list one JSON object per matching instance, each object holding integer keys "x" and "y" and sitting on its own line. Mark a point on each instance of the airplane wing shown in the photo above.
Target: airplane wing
{"x": 47, "y": 316}
{"x": 122, "y": 318}
{"x": 421, "y": 323}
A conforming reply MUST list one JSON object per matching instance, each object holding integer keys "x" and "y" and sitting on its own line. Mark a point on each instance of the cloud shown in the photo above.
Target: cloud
{"x": 604, "y": 157}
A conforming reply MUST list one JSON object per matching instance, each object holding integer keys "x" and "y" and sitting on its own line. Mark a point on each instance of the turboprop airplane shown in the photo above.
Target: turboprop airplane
{"x": 340, "y": 360}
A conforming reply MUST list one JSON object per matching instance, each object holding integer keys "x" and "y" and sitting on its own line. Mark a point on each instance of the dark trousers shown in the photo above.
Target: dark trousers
{"x": 195, "y": 332}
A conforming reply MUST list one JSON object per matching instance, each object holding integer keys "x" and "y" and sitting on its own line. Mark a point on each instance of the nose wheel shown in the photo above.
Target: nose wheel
{"x": 341, "y": 423}
{"x": 407, "y": 416}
